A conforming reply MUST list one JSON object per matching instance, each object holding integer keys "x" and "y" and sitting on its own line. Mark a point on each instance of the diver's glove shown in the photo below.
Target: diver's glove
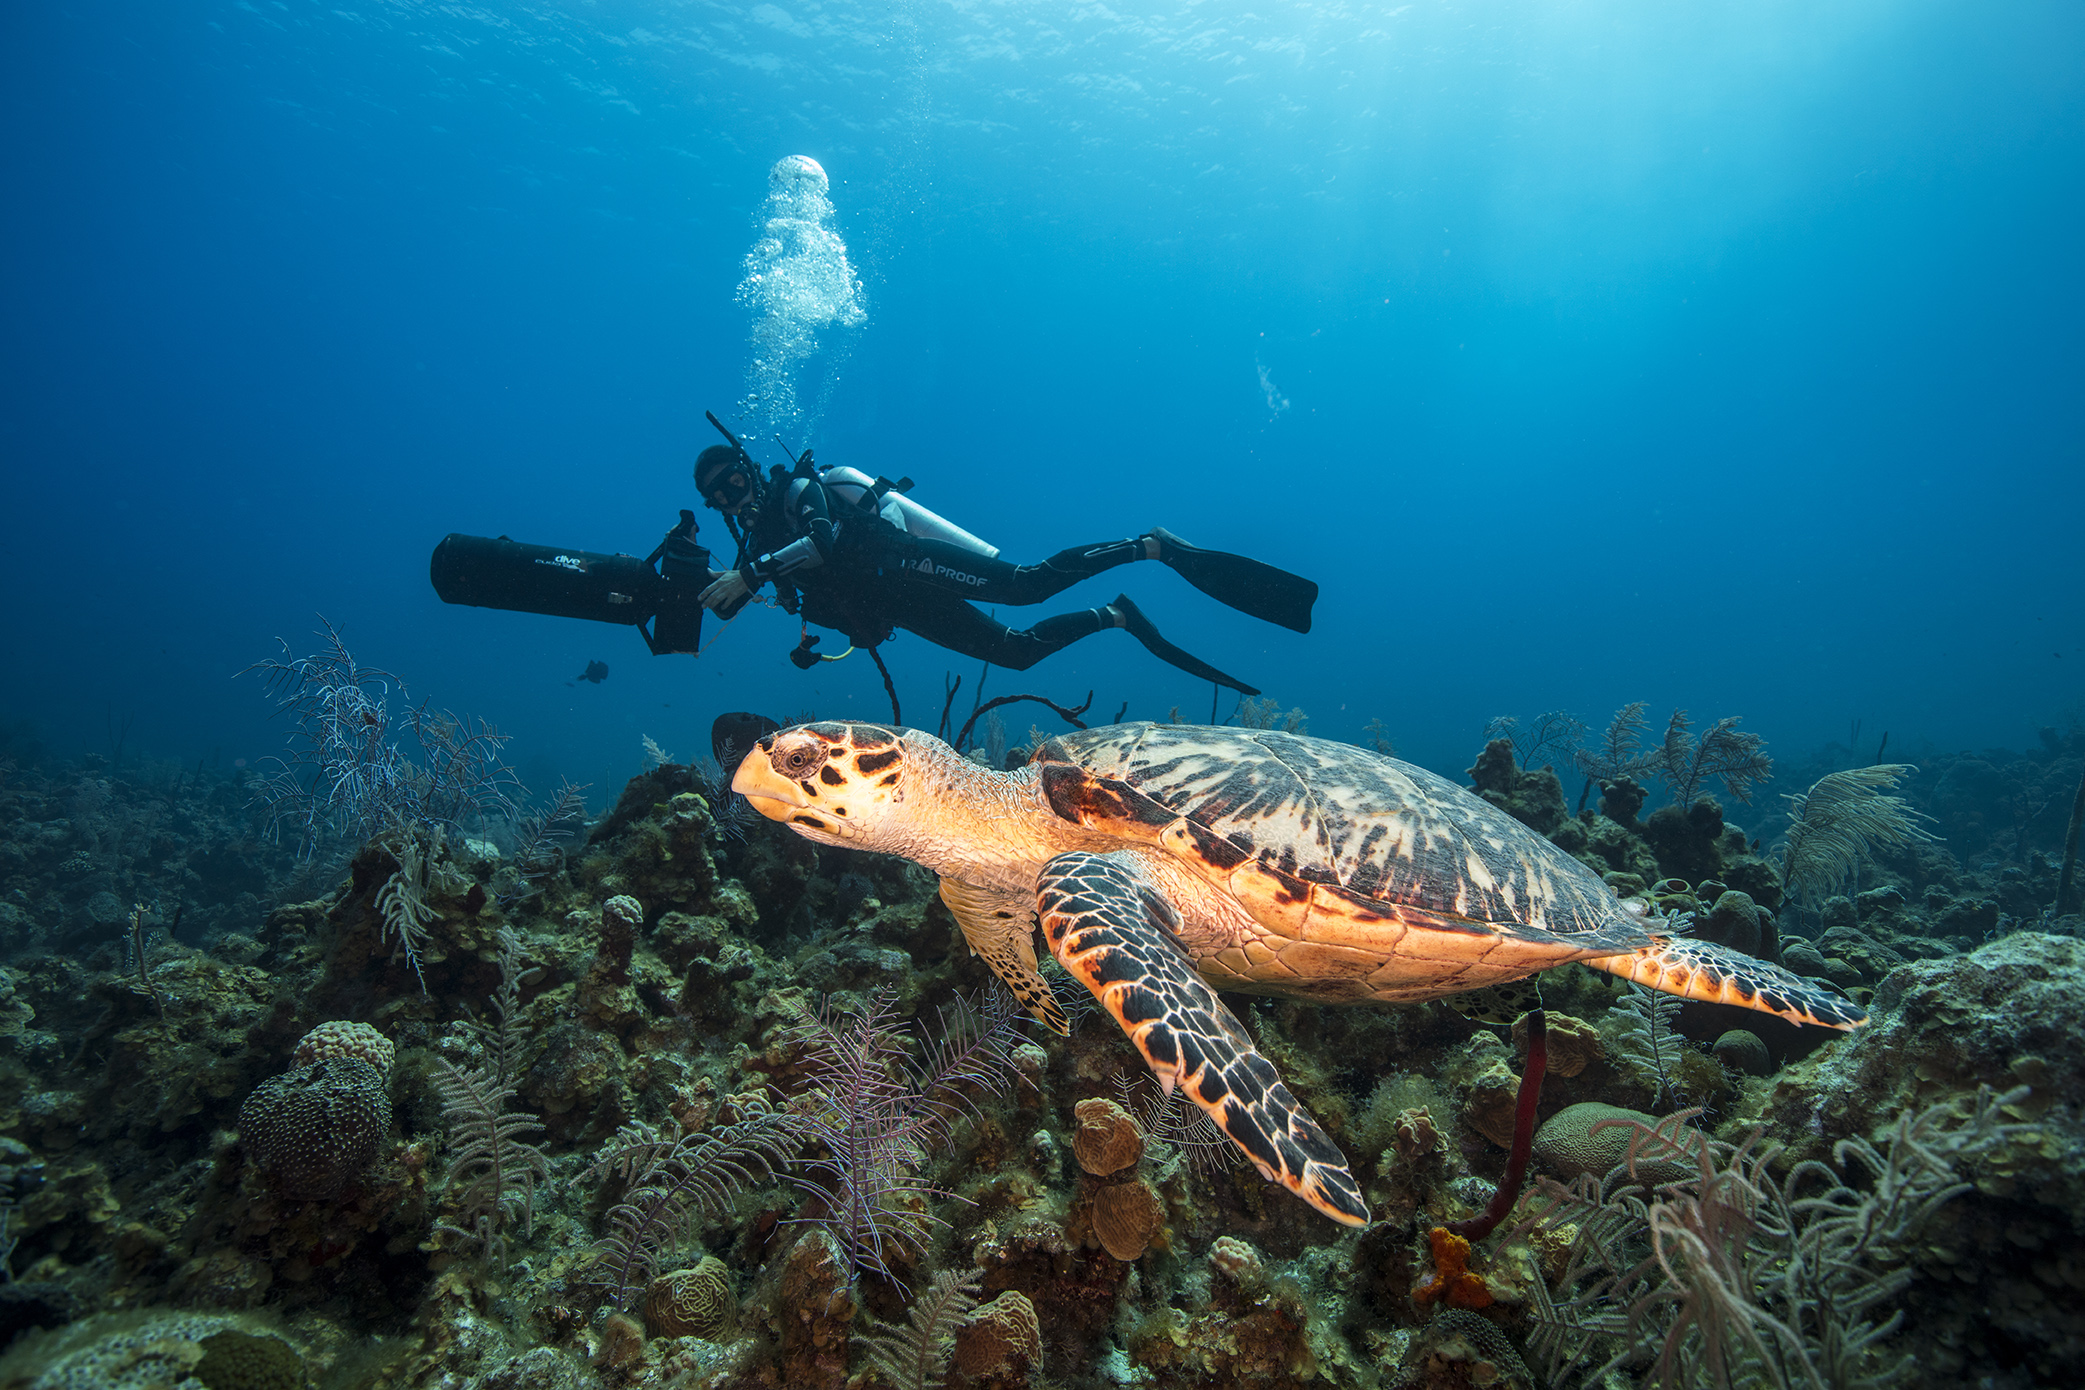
{"x": 728, "y": 593}
{"x": 684, "y": 556}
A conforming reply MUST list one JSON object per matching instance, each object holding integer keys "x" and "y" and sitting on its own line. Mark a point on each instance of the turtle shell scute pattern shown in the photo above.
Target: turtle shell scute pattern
{"x": 1332, "y": 814}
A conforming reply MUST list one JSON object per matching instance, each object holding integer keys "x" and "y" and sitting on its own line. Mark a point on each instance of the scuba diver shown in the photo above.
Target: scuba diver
{"x": 852, "y": 553}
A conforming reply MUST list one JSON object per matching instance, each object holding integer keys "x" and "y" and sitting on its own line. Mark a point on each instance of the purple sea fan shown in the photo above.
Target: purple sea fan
{"x": 875, "y": 1118}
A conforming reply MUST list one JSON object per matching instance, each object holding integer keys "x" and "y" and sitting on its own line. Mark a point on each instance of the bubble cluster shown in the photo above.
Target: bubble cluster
{"x": 803, "y": 294}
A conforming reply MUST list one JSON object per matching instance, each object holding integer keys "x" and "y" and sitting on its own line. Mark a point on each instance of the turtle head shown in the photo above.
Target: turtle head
{"x": 838, "y": 784}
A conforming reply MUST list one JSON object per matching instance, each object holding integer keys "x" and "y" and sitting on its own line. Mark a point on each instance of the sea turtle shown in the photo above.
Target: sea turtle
{"x": 1165, "y": 862}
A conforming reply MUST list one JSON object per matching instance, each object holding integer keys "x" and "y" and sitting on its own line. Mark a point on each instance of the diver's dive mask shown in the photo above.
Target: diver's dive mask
{"x": 725, "y": 477}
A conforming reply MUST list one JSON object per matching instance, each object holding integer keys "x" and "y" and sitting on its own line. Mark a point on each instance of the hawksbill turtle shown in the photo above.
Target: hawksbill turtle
{"x": 1164, "y": 862}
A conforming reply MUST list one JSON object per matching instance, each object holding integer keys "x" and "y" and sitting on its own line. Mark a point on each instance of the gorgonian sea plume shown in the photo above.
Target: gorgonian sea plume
{"x": 875, "y": 1117}
{"x": 358, "y": 767}
{"x": 855, "y": 1136}
{"x": 1843, "y": 816}
{"x": 673, "y": 1182}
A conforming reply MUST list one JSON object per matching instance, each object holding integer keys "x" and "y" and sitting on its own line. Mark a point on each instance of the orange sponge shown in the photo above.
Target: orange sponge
{"x": 1451, "y": 1281}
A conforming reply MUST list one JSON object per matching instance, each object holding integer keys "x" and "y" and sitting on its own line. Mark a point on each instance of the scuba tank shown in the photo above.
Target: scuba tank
{"x": 852, "y": 485}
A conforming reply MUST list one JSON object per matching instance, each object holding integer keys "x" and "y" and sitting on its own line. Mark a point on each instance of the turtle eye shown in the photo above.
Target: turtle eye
{"x": 799, "y": 762}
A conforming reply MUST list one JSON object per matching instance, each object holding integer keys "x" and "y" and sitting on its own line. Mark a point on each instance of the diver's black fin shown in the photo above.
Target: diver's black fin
{"x": 1138, "y": 626}
{"x": 1248, "y": 585}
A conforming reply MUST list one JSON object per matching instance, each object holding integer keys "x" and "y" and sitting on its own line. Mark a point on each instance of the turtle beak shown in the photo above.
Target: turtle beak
{"x": 772, "y": 794}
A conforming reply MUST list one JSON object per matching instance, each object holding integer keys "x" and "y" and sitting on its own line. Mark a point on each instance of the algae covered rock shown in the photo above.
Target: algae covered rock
{"x": 2009, "y": 1013}
{"x": 1534, "y": 798}
{"x": 656, "y": 845}
{"x": 811, "y": 1308}
{"x": 1687, "y": 840}
{"x": 1613, "y": 848}
{"x": 1620, "y": 799}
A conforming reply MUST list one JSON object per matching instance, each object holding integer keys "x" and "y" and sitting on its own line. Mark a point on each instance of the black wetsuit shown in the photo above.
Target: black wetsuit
{"x": 858, "y": 571}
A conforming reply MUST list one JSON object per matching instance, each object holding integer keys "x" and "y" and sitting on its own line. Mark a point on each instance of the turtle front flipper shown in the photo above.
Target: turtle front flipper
{"x": 1704, "y": 970}
{"x": 1111, "y": 927}
{"x": 1000, "y": 927}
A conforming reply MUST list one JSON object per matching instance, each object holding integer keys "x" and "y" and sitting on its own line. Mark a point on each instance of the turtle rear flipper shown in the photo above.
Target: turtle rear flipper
{"x": 1704, "y": 970}
{"x": 1111, "y": 927}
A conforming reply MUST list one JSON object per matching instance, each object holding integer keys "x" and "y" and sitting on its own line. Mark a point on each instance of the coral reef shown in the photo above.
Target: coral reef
{"x": 1001, "y": 1344}
{"x": 1126, "y": 1218}
{"x": 672, "y": 1101}
{"x": 158, "y": 1351}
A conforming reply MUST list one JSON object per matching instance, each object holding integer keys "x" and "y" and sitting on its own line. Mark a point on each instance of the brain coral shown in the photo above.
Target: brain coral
{"x": 235, "y": 1360}
{"x": 694, "y": 1302}
{"x": 346, "y": 1040}
{"x": 314, "y": 1128}
{"x": 1002, "y": 1343}
{"x": 1568, "y": 1145}
{"x": 1455, "y": 1336}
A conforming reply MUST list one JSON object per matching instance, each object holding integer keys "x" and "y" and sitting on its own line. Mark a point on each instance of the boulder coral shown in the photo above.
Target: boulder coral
{"x": 341, "y": 1039}
{"x": 313, "y": 1129}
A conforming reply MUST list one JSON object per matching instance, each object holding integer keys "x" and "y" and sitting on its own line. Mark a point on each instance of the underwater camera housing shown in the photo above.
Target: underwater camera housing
{"x": 659, "y": 595}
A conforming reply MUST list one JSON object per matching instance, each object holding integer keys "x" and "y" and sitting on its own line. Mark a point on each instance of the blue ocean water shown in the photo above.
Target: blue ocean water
{"x": 1722, "y": 357}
